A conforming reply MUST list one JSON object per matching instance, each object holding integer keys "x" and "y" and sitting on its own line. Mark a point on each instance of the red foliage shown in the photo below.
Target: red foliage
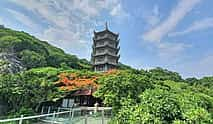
{"x": 112, "y": 71}
{"x": 73, "y": 81}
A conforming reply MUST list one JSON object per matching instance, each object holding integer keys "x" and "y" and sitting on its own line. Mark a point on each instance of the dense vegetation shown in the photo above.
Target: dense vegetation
{"x": 35, "y": 53}
{"x": 137, "y": 96}
{"x": 157, "y": 96}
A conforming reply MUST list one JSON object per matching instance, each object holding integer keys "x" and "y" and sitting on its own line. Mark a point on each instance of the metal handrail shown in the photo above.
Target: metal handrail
{"x": 20, "y": 119}
{"x": 33, "y": 117}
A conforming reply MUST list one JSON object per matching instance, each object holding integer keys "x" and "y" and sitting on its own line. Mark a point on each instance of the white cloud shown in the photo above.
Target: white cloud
{"x": 196, "y": 26}
{"x": 87, "y": 7}
{"x": 66, "y": 40}
{"x": 70, "y": 22}
{"x": 177, "y": 14}
{"x": 198, "y": 68}
{"x": 153, "y": 18}
{"x": 169, "y": 51}
{"x": 23, "y": 19}
{"x": 118, "y": 11}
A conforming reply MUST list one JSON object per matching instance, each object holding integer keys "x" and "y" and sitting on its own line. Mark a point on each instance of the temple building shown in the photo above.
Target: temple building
{"x": 105, "y": 50}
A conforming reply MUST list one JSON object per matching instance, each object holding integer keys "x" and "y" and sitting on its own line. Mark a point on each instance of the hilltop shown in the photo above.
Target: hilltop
{"x": 21, "y": 51}
{"x": 30, "y": 52}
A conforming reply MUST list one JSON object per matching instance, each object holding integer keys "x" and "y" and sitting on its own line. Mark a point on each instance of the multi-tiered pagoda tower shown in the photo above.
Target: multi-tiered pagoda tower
{"x": 105, "y": 50}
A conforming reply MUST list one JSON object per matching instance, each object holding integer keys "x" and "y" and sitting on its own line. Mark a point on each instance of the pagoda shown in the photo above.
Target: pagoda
{"x": 105, "y": 50}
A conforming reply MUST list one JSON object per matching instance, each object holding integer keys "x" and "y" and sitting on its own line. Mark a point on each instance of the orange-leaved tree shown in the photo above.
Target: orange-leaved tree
{"x": 72, "y": 81}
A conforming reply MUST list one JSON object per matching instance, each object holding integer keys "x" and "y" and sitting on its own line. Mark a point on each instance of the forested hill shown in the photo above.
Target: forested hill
{"x": 141, "y": 96}
{"x": 20, "y": 50}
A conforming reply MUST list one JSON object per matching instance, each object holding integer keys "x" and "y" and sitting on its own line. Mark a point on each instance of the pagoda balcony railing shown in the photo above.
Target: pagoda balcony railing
{"x": 105, "y": 62}
{"x": 105, "y": 44}
{"x": 105, "y": 53}
{"x": 103, "y": 37}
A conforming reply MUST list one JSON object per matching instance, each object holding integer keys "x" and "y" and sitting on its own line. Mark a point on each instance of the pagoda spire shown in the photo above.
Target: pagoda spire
{"x": 106, "y": 25}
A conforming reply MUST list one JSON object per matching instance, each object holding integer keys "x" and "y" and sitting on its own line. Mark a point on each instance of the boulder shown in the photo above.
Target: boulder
{"x": 9, "y": 63}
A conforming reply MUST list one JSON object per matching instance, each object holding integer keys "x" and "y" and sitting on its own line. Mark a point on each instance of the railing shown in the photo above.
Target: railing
{"x": 105, "y": 36}
{"x": 104, "y": 62}
{"x": 106, "y": 52}
{"x": 105, "y": 44}
{"x": 81, "y": 115}
{"x": 22, "y": 118}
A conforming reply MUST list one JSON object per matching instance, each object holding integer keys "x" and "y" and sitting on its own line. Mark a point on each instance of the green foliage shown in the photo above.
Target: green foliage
{"x": 206, "y": 81}
{"x": 3, "y": 62}
{"x": 32, "y": 59}
{"x": 163, "y": 74}
{"x": 35, "y": 53}
{"x": 22, "y": 111}
{"x": 29, "y": 89}
{"x": 162, "y": 106}
{"x": 204, "y": 85}
{"x": 156, "y": 106}
{"x": 7, "y": 42}
{"x": 164, "y": 100}
{"x": 115, "y": 89}
{"x": 191, "y": 81}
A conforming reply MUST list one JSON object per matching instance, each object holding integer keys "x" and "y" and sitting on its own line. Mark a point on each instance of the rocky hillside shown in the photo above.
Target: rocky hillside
{"x": 19, "y": 50}
{"x": 9, "y": 63}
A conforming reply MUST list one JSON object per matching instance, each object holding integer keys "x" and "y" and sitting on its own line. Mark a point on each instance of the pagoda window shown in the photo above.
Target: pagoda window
{"x": 112, "y": 51}
{"x": 99, "y": 59}
{"x": 111, "y": 59}
{"x": 98, "y": 51}
{"x": 100, "y": 43}
{"x": 111, "y": 43}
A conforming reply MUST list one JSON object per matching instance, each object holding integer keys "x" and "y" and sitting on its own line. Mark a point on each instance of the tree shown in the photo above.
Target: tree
{"x": 206, "y": 81}
{"x": 115, "y": 89}
{"x": 192, "y": 81}
{"x": 32, "y": 59}
{"x": 166, "y": 107}
{"x": 163, "y": 74}
{"x": 29, "y": 89}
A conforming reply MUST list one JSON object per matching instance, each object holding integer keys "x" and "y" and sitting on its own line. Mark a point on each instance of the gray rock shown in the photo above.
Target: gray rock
{"x": 9, "y": 63}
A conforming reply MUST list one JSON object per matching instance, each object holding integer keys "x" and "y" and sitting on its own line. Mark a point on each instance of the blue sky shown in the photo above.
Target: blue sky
{"x": 173, "y": 34}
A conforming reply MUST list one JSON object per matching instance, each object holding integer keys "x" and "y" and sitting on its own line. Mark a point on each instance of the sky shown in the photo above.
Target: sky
{"x": 172, "y": 34}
